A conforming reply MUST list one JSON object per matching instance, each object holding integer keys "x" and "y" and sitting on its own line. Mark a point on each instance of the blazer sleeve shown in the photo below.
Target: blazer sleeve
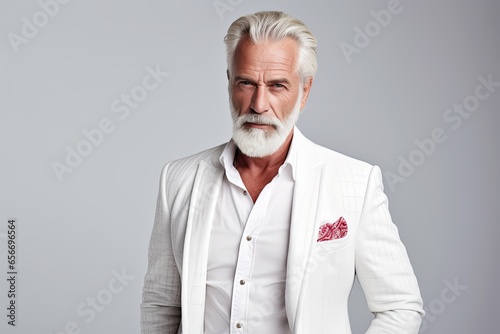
{"x": 383, "y": 267}
{"x": 161, "y": 296}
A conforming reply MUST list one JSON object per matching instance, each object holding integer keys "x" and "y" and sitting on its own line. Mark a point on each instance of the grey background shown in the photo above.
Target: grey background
{"x": 74, "y": 233}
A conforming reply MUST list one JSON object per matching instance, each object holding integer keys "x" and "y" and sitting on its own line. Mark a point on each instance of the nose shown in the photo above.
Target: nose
{"x": 260, "y": 100}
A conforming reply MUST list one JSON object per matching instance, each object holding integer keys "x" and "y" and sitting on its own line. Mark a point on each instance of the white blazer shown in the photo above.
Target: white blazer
{"x": 320, "y": 275}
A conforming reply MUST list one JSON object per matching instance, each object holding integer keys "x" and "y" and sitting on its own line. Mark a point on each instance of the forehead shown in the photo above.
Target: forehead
{"x": 275, "y": 56}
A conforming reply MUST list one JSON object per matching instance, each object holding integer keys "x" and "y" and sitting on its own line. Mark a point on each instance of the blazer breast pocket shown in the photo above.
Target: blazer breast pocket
{"x": 333, "y": 245}
{"x": 333, "y": 237}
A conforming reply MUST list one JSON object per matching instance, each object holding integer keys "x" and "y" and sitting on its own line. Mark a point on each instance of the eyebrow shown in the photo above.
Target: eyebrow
{"x": 241, "y": 78}
{"x": 271, "y": 82}
{"x": 279, "y": 81}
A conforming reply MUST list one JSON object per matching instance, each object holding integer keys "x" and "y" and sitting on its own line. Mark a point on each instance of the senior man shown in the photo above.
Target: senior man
{"x": 266, "y": 233}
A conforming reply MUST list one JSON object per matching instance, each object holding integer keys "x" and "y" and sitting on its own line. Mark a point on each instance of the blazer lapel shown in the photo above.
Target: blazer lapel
{"x": 201, "y": 212}
{"x": 303, "y": 226}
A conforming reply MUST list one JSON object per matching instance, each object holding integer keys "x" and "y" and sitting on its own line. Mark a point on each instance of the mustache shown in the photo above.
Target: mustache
{"x": 258, "y": 119}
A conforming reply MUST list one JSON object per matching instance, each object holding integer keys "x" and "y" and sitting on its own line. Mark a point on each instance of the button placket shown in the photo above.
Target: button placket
{"x": 244, "y": 265}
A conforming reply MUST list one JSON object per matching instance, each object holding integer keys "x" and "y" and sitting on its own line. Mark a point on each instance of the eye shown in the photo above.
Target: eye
{"x": 246, "y": 85}
{"x": 278, "y": 87}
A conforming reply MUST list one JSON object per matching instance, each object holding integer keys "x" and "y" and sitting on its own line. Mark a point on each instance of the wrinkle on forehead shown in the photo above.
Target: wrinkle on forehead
{"x": 270, "y": 56}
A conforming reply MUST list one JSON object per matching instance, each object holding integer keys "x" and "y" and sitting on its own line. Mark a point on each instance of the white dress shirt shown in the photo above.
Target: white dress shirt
{"x": 248, "y": 250}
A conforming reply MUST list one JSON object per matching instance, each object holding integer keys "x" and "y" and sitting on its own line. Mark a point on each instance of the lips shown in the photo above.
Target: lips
{"x": 258, "y": 125}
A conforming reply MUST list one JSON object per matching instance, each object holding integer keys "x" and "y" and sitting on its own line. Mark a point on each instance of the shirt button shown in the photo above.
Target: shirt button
{"x": 239, "y": 325}
{"x": 242, "y": 282}
{"x": 249, "y": 237}
{"x": 245, "y": 192}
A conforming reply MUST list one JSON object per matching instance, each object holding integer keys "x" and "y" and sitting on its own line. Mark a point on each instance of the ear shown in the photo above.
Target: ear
{"x": 227, "y": 73}
{"x": 306, "y": 88}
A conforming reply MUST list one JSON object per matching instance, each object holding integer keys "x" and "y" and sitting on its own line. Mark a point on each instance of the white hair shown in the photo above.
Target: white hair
{"x": 257, "y": 143}
{"x": 274, "y": 26}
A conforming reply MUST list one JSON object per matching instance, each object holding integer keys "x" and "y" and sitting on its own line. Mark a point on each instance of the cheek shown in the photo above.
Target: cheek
{"x": 283, "y": 105}
{"x": 241, "y": 100}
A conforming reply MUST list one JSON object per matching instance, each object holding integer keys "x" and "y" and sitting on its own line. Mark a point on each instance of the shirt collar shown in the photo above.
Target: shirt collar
{"x": 227, "y": 157}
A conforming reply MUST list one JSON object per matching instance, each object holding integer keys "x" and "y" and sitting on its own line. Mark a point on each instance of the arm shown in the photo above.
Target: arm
{"x": 383, "y": 268}
{"x": 161, "y": 297}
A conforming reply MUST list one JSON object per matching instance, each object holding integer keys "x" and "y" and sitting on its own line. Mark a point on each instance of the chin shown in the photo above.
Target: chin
{"x": 258, "y": 143}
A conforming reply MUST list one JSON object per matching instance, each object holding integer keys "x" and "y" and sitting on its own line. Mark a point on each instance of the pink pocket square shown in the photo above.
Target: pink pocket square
{"x": 331, "y": 231}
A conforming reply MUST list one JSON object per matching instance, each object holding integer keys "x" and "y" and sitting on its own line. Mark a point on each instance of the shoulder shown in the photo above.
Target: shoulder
{"x": 182, "y": 170}
{"x": 343, "y": 163}
{"x": 210, "y": 156}
{"x": 342, "y": 172}
{"x": 178, "y": 176}
{"x": 310, "y": 152}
